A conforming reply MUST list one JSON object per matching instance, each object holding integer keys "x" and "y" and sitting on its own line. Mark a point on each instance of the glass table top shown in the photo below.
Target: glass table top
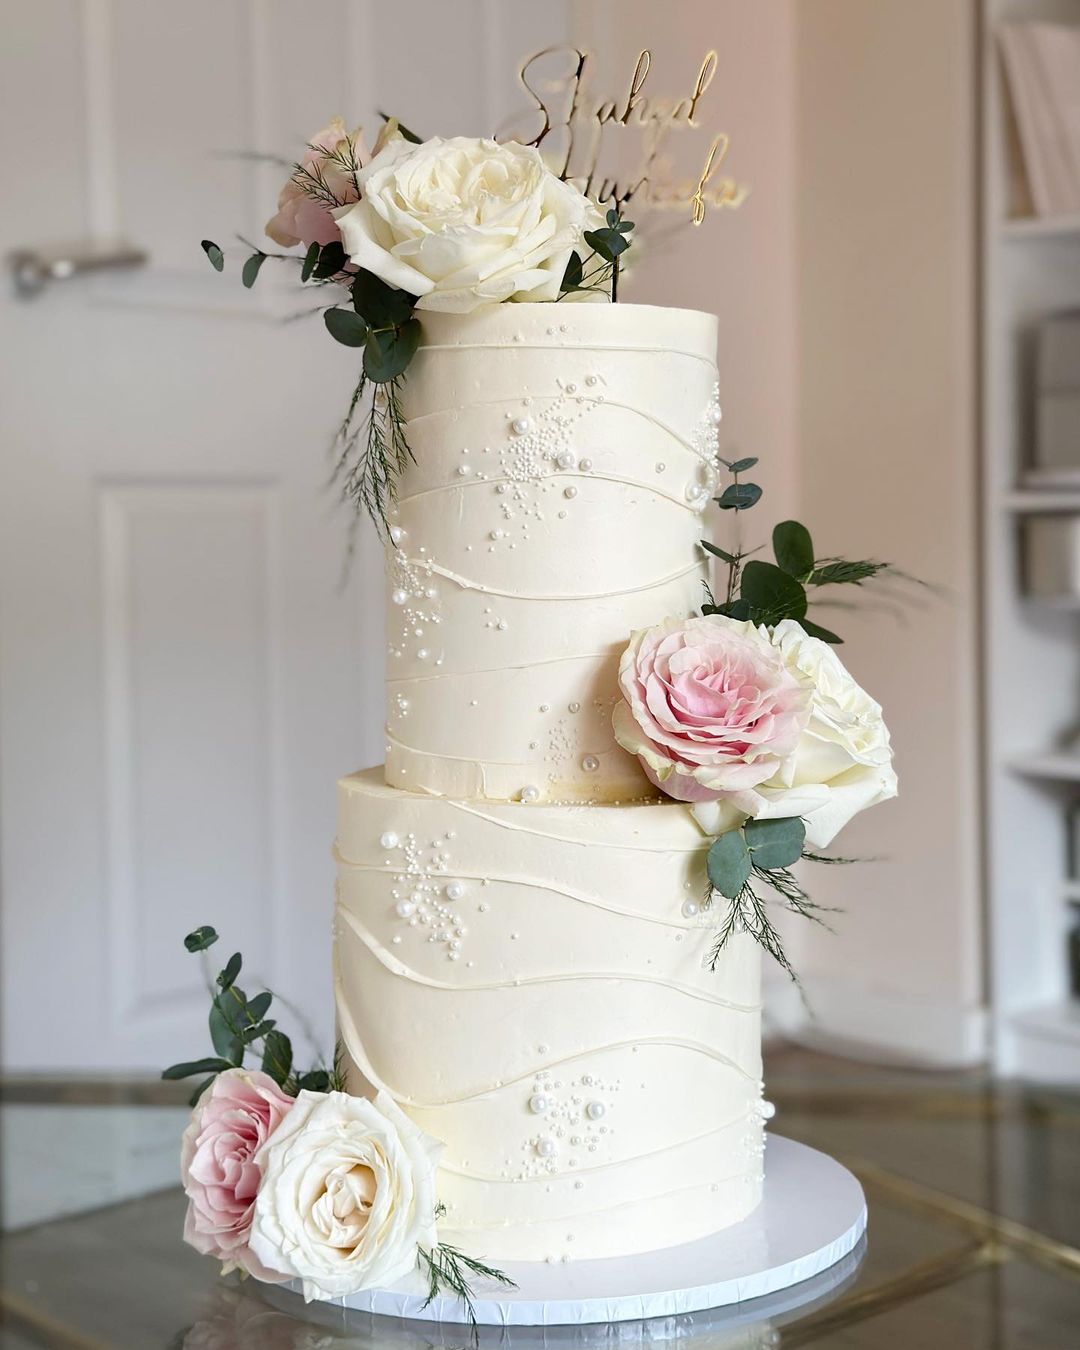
{"x": 974, "y": 1236}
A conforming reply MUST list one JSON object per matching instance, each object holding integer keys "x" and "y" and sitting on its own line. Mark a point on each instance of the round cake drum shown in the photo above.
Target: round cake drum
{"x": 811, "y": 1216}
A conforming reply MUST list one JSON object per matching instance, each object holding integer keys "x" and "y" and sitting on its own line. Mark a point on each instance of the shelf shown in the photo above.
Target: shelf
{"x": 1062, "y": 766}
{"x": 1036, "y": 501}
{"x": 1040, "y": 227}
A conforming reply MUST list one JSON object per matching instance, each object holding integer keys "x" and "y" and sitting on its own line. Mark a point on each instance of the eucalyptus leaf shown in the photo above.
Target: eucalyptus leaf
{"x": 607, "y": 243}
{"x": 257, "y": 1007}
{"x": 200, "y": 939}
{"x": 346, "y": 326}
{"x": 223, "y": 1036}
{"x": 227, "y": 978}
{"x": 316, "y": 1080}
{"x": 728, "y": 864}
{"x": 192, "y": 1067}
{"x": 573, "y": 274}
{"x": 731, "y": 609}
{"x": 383, "y": 306}
{"x": 311, "y": 257}
{"x": 772, "y": 594}
{"x": 251, "y": 269}
{"x": 742, "y": 465}
{"x": 217, "y": 258}
{"x": 738, "y": 497}
{"x": 259, "y": 1030}
{"x": 277, "y": 1056}
{"x": 718, "y": 552}
{"x": 824, "y": 634}
{"x": 775, "y": 843}
{"x": 388, "y": 352}
{"x": 793, "y": 549}
{"x": 332, "y": 260}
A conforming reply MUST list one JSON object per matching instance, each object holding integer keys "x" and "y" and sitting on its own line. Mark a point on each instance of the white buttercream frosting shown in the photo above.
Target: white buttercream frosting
{"x": 524, "y": 982}
{"x": 563, "y": 454}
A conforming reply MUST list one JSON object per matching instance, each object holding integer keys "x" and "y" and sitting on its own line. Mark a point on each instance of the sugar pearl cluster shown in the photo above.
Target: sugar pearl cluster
{"x": 414, "y": 600}
{"x": 570, "y": 1119}
{"x": 425, "y": 896}
{"x": 705, "y": 443}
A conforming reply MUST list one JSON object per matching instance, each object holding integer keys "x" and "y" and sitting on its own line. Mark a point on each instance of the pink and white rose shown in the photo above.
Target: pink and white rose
{"x": 347, "y": 1194}
{"x": 709, "y": 706}
{"x": 302, "y": 218}
{"x": 232, "y": 1120}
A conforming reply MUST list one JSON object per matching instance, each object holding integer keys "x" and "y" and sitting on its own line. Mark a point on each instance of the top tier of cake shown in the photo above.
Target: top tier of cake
{"x": 563, "y": 456}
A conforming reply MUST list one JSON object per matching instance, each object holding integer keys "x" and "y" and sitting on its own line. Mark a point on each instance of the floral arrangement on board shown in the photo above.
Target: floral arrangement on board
{"x": 746, "y": 712}
{"x": 444, "y": 224}
{"x": 289, "y": 1177}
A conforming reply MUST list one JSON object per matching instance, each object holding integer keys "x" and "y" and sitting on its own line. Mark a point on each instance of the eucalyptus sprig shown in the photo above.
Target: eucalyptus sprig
{"x": 599, "y": 270}
{"x": 762, "y": 851}
{"x": 236, "y": 1023}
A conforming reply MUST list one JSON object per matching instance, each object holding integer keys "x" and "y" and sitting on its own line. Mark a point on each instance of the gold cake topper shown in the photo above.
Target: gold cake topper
{"x": 569, "y": 112}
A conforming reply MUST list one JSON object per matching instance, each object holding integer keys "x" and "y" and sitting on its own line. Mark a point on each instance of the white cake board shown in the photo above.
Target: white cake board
{"x": 812, "y": 1214}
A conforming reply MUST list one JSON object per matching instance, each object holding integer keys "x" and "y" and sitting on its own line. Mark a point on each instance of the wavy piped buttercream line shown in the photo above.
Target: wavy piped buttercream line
{"x": 544, "y": 1178}
{"x": 567, "y": 347}
{"x": 569, "y": 597}
{"x": 355, "y": 1046}
{"x": 492, "y": 480}
{"x": 499, "y": 670}
{"x": 449, "y": 1228}
{"x": 399, "y": 969}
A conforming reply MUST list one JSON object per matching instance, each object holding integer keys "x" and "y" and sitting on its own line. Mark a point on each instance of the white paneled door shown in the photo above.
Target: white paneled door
{"x": 182, "y": 677}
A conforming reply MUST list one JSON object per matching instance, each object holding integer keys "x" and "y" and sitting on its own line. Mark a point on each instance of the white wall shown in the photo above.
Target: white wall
{"x": 885, "y": 155}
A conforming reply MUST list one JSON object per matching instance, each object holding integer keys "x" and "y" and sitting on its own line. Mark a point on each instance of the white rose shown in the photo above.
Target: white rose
{"x": 843, "y": 761}
{"x": 347, "y": 1194}
{"x": 462, "y": 223}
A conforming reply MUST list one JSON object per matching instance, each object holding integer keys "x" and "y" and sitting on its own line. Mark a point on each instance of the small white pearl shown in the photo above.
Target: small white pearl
{"x": 396, "y": 939}
{"x": 502, "y": 488}
{"x": 590, "y": 380}
{"x": 574, "y": 707}
{"x": 389, "y": 839}
{"x": 455, "y": 890}
{"x": 544, "y": 707}
{"x": 520, "y": 425}
{"x": 495, "y": 534}
{"x": 766, "y": 1110}
{"x": 399, "y": 597}
{"x": 453, "y": 956}
{"x": 397, "y": 534}
{"x": 538, "y": 1104}
{"x": 405, "y": 908}
{"x": 566, "y": 459}
{"x": 502, "y": 625}
{"x": 463, "y": 471}
{"x": 571, "y": 388}
{"x": 570, "y": 491}
{"x": 546, "y": 1146}
{"x": 694, "y": 492}
{"x": 661, "y": 466}
{"x": 595, "y": 1110}
{"x": 716, "y": 416}
{"x": 422, "y": 653}
{"x": 431, "y": 592}
{"x": 690, "y": 908}
{"x": 403, "y": 704}
{"x": 530, "y": 793}
{"x": 590, "y": 763}
{"x": 585, "y": 465}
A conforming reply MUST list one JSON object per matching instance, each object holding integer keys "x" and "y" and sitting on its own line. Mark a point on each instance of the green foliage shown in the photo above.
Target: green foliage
{"x": 739, "y": 465}
{"x": 200, "y": 939}
{"x": 252, "y": 267}
{"x": 311, "y": 258}
{"x": 739, "y": 497}
{"x": 611, "y": 240}
{"x": 793, "y": 549}
{"x": 775, "y": 843}
{"x": 388, "y": 351}
{"x": 731, "y": 559}
{"x": 346, "y": 326}
{"x": 381, "y": 305}
{"x": 449, "y": 1271}
{"x": 332, "y": 259}
{"x": 840, "y": 572}
{"x": 772, "y": 594}
{"x": 599, "y": 269}
{"x": 236, "y": 1023}
{"x": 217, "y": 258}
{"x": 729, "y": 864}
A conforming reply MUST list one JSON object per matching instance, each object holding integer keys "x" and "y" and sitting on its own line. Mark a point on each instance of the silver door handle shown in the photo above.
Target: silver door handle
{"x": 32, "y": 269}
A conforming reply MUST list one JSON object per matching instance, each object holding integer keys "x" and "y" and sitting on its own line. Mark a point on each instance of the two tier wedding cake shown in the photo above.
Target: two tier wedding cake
{"x": 600, "y": 774}
{"x": 518, "y": 946}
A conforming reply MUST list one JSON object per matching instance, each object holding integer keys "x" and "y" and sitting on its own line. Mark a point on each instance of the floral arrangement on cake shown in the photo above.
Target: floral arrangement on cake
{"x": 746, "y": 712}
{"x": 444, "y": 224}
{"x": 289, "y": 1177}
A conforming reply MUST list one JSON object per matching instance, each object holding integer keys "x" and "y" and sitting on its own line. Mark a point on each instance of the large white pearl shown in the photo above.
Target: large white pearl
{"x": 566, "y": 459}
{"x": 397, "y": 534}
{"x": 399, "y": 597}
{"x": 530, "y": 793}
{"x": 389, "y": 839}
{"x": 546, "y": 1146}
{"x": 405, "y": 908}
{"x": 538, "y": 1104}
{"x": 766, "y": 1110}
{"x": 595, "y": 1110}
{"x": 690, "y": 908}
{"x": 520, "y": 425}
{"x": 590, "y": 763}
{"x": 455, "y": 890}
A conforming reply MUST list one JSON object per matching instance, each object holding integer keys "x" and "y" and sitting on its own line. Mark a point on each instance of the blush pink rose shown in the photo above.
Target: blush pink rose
{"x": 709, "y": 706}
{"x": 232, "y": 1120}
{"x": 304, "y": 218}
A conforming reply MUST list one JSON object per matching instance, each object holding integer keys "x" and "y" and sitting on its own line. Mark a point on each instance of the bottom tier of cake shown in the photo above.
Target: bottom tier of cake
{"x": 530, "y": 984}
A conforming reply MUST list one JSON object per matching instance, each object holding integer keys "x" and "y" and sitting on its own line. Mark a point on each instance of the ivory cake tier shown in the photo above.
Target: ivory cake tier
{"x": 562, "y": 457}
{"x": 528, "y": 982}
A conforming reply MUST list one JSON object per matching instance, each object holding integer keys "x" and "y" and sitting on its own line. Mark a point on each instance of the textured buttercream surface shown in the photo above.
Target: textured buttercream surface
{"x": 563, "y": 454}
{"x": 529, "y": 983}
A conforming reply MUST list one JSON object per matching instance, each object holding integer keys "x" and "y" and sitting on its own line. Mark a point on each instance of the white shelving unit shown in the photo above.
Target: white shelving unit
{"x": 1031, "y": 267}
